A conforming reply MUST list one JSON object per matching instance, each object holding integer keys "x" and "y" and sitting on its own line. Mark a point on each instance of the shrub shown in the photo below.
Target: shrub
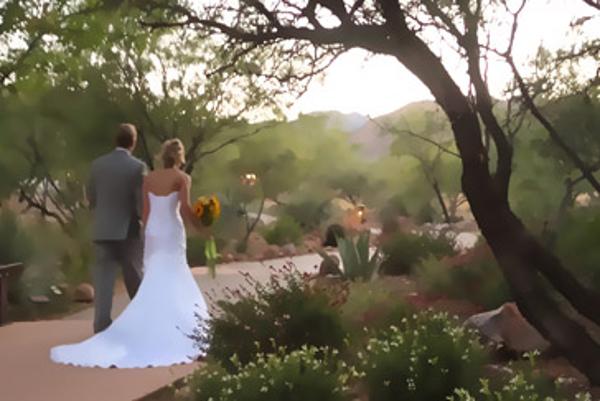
{"x": 356, "y": 257}
{"x": 480, "y": 281}
{"x": 403, "y": 251}
{"x": 334, "y": 232}
{"x": 17, "y": 245}
{"x": 577, "y": 244}
{"x": 309, "y": 213}
{"x": 302, "y": 375}
{"x": 284, "y": 231}
{"x": 195, "y": 251}
{"x": 371, "y": 307}
{"x": 520, "y": 387}
{"x": 423, "y": 360}
{"x": 262, "y": 317}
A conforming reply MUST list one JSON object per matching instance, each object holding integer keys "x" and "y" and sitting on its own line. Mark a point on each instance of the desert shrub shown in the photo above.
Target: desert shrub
{"x": 577, "y": 244}
{"x": 309, "y": 213}
{"x": 480, "y": 281}
{"x": 402, "y": 252}
{"x": 285, "y": 312}
{"x": 302, "y": 375}
{"x": 424, "y": 359}
{"x": 284, "y": 231}
{"x": 332, "y": 233}
{"x": 195, "y": 251}
{"x": 522, "y": 386}
{"x": 17, "y": 244}
{"x": 371, "y": 307}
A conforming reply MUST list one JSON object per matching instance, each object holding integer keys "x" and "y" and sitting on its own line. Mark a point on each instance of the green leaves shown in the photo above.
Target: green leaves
{"x": 356, "y": 257}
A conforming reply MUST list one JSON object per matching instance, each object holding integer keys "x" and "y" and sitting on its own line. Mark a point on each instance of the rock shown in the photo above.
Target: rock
{"x": 330, "y": 265}
{"x": 84, "y": 293}
{"x": 256, "y": 246}
{"x": 39, "y": 299}
{"x": 289, "y": 250}
{"x": 507, "y": 326}
{"x": 227, "y": 258}
{"x": 272, "y": 252}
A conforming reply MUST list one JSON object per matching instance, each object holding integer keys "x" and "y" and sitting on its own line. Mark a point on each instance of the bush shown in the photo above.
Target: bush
{"x": 577, "y": 244}
{"x": 334, "y": 232}
{"x": 371, "y": 307}
{"x": 302, "y": 375}
{"x": 195, "y": 251}
{"x": 423, "y": 360}
{"x": 519, "y": 388}
{"x": 404, "y": 251}
{"x": 480, "y": 281}
{"x": 17, "y": 245}
{"x": 309, "y": 213}
{"x": 284, "y": 231}
{"x": 262, "y": 317}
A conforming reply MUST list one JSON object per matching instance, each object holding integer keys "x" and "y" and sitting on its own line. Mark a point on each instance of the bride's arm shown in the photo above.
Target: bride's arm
{"x": 186, "y": 208}
{"x": 145, "y": 202}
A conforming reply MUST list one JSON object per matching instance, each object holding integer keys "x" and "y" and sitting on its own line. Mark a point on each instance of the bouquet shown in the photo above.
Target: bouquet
{"x": 208, "y": 210}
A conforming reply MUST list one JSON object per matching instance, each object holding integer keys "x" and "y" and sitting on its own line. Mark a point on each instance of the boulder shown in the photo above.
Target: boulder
{"x": 227, "y": 258}
{"x": 271, "y": 252}
{"x": 289, "y": 250}
{"x": 84, "y": 293}
{"x": 330, "y": 265}
{"x": 256, "y": 246}
{"x": 507, "y": 326}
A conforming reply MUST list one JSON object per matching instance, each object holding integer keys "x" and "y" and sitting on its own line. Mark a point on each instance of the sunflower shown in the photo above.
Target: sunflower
{"x": 207, "y": 209}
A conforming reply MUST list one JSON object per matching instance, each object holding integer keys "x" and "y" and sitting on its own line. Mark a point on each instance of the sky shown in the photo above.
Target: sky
{"x": 380, "y": 84}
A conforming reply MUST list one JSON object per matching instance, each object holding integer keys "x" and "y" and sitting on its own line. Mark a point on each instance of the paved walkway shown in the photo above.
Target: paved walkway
{"x": 27, "y": 374}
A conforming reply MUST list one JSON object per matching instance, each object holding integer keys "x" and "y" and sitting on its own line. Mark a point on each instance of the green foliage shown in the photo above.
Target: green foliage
{"x": 402, "y": 252}
{"x": 426, "y": 358}
{"x": 480, "y": 281}
{"x": 356, "y": 257}
{"x": 17, "y": 244}
{"x": 372, "y": 306}
{"x": 284, "y": 231}
{"x": 522, "y": 386}
{"x": 309, "y": 213}
{"x": 285, "y": 312}
{"x": 577, "y": 244}
{"x": 195, "y": 251}
{"x": 301, "y": 375}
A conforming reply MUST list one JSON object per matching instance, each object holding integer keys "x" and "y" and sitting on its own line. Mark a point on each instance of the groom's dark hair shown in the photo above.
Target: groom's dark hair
{"x": 126, "y": 136}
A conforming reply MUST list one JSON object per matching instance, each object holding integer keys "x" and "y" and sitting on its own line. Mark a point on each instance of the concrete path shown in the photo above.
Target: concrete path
{"x": 27, "y": 374}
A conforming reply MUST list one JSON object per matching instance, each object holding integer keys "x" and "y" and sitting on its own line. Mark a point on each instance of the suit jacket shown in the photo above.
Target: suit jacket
{"x": 115, "y": 196}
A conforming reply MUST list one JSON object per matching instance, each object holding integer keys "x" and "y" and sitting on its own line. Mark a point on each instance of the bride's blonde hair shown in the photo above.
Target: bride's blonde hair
{"x": 172, "y": 153}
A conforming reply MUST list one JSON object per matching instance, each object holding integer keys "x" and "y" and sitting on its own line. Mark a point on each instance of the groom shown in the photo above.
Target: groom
{"x": 115, "y": 197}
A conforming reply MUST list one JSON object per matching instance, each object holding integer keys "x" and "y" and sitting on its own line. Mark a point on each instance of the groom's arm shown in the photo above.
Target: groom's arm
{"x": 91, "y": 190}
{"x": 139, "y": 182}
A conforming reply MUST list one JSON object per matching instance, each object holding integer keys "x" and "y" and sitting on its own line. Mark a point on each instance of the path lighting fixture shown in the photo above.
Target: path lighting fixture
{"x": 248, "y": 179}
{"x": 360, "y": 211}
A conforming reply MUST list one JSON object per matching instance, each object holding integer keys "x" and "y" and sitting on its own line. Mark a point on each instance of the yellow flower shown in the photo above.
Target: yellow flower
{"x": 216, "y": 206}
{"x": 198, "y": 208}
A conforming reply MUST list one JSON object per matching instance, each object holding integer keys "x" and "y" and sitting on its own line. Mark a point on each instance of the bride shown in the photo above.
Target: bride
{"x": 153, "y": 330}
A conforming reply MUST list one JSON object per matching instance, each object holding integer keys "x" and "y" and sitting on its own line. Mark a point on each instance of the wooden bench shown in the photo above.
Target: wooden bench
{"x": 7, "y": 273}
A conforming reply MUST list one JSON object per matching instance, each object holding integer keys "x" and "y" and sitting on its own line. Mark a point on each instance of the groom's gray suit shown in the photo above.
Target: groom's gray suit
{"x": 115, "y": 196}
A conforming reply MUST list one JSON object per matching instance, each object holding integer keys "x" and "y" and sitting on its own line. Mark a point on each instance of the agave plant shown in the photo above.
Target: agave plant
{"x": 356, "y": 258}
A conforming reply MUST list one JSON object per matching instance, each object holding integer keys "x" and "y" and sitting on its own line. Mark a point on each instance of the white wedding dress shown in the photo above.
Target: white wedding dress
{"x": 153, "y": 330}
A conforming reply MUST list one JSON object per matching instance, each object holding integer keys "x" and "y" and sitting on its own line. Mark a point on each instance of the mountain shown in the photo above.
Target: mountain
{"x": 370, "y": 134}
{"x": 372, "y": 137}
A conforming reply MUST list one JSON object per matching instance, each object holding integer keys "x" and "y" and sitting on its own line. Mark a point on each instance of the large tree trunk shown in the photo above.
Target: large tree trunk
{"x": 518, "y": 253}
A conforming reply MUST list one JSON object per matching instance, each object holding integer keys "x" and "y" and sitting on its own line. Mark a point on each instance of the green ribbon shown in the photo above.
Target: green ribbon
{"x": 211, "y": 254}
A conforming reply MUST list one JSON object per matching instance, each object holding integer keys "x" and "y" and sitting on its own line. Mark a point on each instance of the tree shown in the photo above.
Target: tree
{"x": 396, "y": 29}
{"x": 70, "y": 71}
